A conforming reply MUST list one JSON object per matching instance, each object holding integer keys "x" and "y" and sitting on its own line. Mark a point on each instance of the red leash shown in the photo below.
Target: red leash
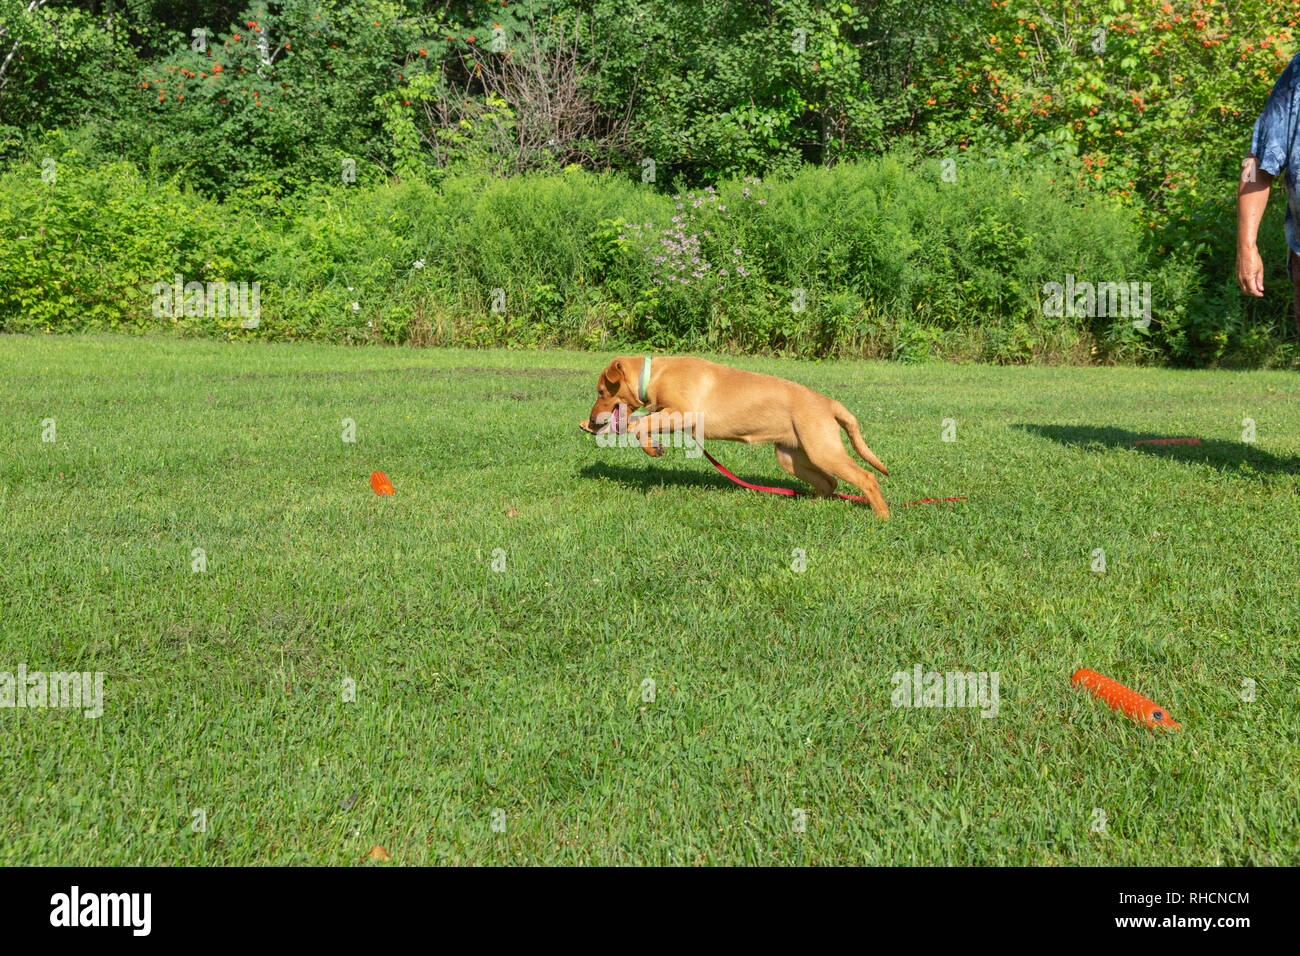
{"x": 793, "y": 493}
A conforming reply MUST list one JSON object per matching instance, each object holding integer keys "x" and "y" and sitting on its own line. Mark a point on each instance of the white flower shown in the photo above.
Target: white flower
{"x": 356, "y": 307}
{"x": 419, "y": 263}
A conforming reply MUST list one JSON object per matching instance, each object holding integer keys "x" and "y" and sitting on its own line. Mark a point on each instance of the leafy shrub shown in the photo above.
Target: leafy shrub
{"x": 875, "y": 258}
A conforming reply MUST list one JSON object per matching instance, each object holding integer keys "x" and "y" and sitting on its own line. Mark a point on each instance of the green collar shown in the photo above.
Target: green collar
{"x": 644, "y": 392}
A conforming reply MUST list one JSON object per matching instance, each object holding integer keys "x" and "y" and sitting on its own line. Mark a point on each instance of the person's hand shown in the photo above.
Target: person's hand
{"x": 1250, "y": 271}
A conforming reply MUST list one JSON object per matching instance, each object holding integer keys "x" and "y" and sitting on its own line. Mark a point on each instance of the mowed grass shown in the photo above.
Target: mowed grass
{"x": 524, "y": 690}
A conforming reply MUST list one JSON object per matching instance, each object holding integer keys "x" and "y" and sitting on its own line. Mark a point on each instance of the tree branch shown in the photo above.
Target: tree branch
{"x": 31, "y": 8}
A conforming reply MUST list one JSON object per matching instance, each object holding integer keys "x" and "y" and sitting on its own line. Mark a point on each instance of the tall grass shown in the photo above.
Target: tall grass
{"x": 881, "y": 259}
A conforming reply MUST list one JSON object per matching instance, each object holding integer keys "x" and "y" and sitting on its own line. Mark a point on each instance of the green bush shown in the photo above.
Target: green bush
{"x": 879, "y": 258}
{"x": 79, "y": 244}
{"x": 1146, "y": 103}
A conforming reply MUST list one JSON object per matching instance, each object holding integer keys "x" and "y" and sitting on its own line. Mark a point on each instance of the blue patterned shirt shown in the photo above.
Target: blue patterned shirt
{"x": 1276, "y": 143}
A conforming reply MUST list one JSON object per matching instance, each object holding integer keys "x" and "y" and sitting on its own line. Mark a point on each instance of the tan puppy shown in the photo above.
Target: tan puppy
{"x": 731, "y": 405}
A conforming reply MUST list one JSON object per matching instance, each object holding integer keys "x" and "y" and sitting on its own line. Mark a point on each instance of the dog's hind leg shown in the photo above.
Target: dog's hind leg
{"x": 827, "y": 454}
{"x": 797, "y": 463}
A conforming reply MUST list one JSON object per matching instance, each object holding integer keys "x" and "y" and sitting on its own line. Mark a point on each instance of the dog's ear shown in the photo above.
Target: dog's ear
{"x": 616, "y": 374}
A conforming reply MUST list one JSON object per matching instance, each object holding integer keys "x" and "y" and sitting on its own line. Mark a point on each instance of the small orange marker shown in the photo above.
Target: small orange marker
{"x": 1122, "y": 698}
{"x": 379, "y": 481}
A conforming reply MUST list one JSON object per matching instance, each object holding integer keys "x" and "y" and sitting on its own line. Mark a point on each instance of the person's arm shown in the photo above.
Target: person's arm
{"x": 1252, "y": 197}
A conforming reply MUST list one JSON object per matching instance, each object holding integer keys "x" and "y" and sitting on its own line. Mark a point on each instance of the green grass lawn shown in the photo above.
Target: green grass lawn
{"x": 524, "y": 690}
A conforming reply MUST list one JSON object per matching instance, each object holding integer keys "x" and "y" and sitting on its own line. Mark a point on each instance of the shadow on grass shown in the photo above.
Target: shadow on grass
{"x": 1227, "y": 456}
{"x": 698, "y": 474}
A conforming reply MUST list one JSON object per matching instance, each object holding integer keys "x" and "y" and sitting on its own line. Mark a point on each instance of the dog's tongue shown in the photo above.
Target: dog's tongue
{"x": 612, "y": 425}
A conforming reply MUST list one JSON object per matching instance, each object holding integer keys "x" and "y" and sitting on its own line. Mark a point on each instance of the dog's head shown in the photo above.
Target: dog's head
{"x": 617, "y": 385}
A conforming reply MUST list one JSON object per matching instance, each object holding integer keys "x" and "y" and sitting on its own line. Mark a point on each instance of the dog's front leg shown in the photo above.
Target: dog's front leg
{"x": 662, "y": 424}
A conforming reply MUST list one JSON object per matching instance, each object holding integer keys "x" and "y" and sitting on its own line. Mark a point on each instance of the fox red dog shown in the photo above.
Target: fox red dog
{"x": 732, "y": 405}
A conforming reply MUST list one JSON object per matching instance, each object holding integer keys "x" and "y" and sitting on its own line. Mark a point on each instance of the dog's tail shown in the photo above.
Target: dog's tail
{"x": 850, "y": 426}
